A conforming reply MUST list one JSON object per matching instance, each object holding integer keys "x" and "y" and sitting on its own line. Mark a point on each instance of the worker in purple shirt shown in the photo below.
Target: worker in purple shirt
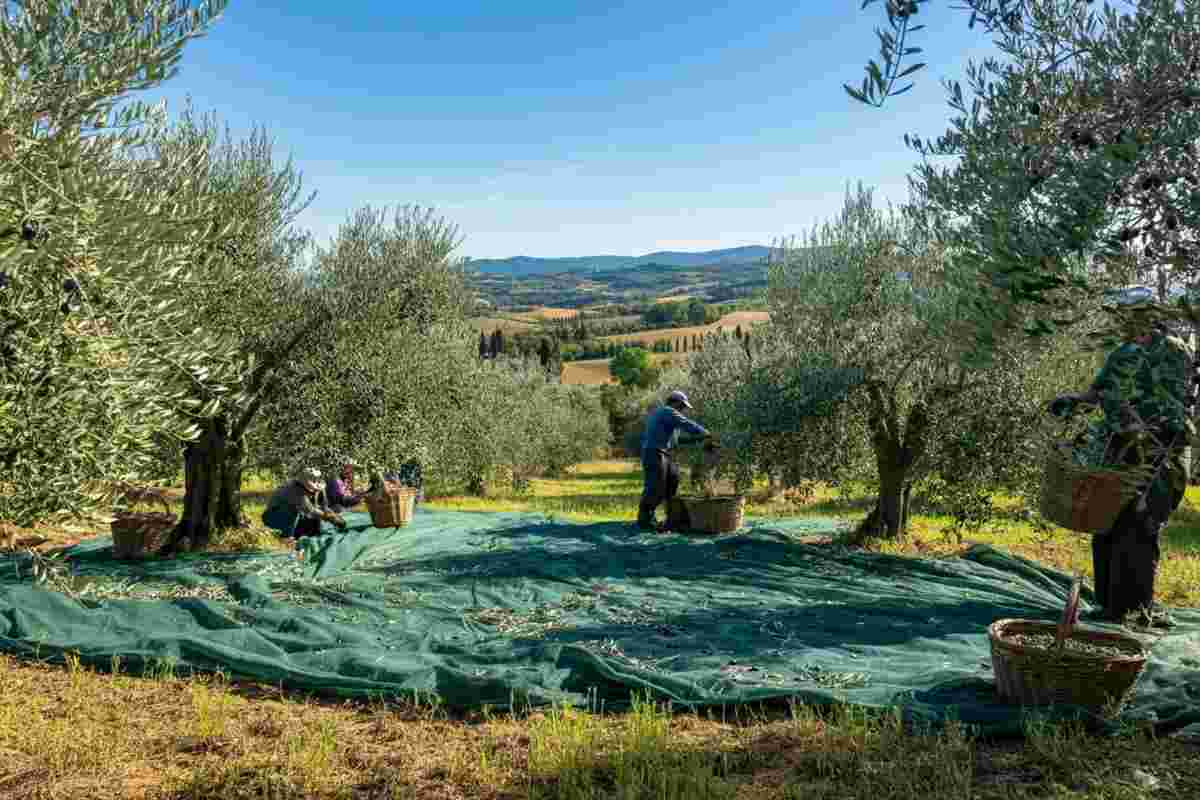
{"x": 659, "y": 471}
{"x": 339, "y": 490}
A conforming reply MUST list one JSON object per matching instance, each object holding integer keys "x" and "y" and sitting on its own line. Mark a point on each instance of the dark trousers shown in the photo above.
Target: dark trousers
{"x": 660, "y": 482}
{"x": 1125, "y": 558}
{"x": 287, "y": 525}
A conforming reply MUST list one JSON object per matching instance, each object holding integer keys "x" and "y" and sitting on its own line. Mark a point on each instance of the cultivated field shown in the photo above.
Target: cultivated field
{"x": 743, "y": 318}
{"x": 626, "y": 319}
{"x": 489, "y": 324}
{"x": 594, "y": 371}
{"x": 728, "y": 322}
{"x": 547, "y": 314}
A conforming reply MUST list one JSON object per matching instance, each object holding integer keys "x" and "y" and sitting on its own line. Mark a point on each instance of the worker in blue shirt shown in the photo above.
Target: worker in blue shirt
{"x": 659, "y": 471}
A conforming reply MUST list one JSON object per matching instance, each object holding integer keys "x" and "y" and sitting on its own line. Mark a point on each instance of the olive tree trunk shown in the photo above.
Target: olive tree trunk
{"x": 898, "y": 441}
{"x": 212, "y": 486}
{"x": 214, "y": 461}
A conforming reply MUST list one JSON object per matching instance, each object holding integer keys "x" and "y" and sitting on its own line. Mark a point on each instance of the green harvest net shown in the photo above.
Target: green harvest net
{"x": 518, "y": 608}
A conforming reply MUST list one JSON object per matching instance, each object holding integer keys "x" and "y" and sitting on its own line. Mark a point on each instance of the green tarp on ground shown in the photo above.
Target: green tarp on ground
{"x": 491, "y": 608}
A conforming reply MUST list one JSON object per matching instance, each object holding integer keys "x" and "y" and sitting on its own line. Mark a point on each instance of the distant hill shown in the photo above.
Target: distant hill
{"x": 528, "y": 265}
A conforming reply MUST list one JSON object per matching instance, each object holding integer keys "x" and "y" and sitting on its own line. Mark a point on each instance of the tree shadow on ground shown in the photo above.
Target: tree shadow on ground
{"x": 588, "y": 555}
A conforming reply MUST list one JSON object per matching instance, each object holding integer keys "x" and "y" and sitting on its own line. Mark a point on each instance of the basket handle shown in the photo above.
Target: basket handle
{"x": 1070, "y": 616}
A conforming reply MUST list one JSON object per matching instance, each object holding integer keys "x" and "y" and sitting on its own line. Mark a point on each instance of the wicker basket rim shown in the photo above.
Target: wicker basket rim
{"x": 998, "y": 629}
{"x": 396, "y": 492}
{"x": 1059, "y": 452}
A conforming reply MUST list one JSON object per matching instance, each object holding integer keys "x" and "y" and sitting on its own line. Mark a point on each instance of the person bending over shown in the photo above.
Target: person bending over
{"x": 660, "y": 474}
{"x": 292, "y": 510}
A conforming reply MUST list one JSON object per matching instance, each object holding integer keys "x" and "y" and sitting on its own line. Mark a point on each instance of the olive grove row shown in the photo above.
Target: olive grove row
{"x": 160, "y": 309}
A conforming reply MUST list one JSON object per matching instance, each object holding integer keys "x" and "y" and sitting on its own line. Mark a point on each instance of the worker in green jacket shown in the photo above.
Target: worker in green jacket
{"x": 1145, "y": 390}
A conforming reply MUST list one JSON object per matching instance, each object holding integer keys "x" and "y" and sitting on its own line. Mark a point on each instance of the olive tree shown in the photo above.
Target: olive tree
{"x": 872, "y": 311}
{"x": 1082, "y": 141}
{"x": 93, "y": 259}
{"x": 377, "y": 397}
{"x": 388, "y": 399}
{"x": 517, "y": 422}
{"x": 631, "y": 366}
{"x": 375, "y": 372}
{"x": 778, "y": 410}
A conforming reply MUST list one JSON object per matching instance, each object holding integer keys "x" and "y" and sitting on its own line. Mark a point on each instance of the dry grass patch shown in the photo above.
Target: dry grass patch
{"x": 69, "y": 732}
{"x": 590, "y": 372}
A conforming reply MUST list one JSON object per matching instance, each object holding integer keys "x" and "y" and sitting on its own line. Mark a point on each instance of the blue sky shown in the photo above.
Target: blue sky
{"x": 559, "y": 129}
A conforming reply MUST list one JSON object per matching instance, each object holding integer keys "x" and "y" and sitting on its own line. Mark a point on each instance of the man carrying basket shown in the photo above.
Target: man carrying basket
{"x": 1144, "y": 387}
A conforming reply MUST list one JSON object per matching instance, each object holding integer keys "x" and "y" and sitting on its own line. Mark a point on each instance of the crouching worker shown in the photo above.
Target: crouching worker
{"x": 293, "y": 511}
{"x": 339, "y": 490}
{"x": 659, "y": 471}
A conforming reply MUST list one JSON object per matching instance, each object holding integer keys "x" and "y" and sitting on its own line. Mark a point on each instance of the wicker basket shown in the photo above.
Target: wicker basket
{"x": 1087, "y": 501}
{"x": 1039, "y": 676}
{"x": 392, "y": 509}
{"x": 723, "y": 514}
{"x": 140, "y": 534}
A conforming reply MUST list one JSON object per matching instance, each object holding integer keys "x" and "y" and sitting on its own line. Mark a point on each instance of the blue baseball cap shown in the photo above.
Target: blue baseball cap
{"x": 679, "y": 397}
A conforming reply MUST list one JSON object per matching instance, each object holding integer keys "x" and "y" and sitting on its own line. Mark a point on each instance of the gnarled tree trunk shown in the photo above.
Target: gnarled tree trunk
{"x": 898, "y": 445}
{"x": 213, "y": 466}
{"x": 213, "y": 463}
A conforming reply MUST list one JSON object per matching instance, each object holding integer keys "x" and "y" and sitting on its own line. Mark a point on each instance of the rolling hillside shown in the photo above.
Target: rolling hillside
{"x": 528, "y": 265}
{"x": 595, "y": 371}
{"x": 640, "y": 283}
{"x": 729, "y": 322}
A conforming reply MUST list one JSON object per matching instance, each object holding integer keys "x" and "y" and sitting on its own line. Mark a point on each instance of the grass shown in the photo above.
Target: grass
{"x": 69, "y": 732}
